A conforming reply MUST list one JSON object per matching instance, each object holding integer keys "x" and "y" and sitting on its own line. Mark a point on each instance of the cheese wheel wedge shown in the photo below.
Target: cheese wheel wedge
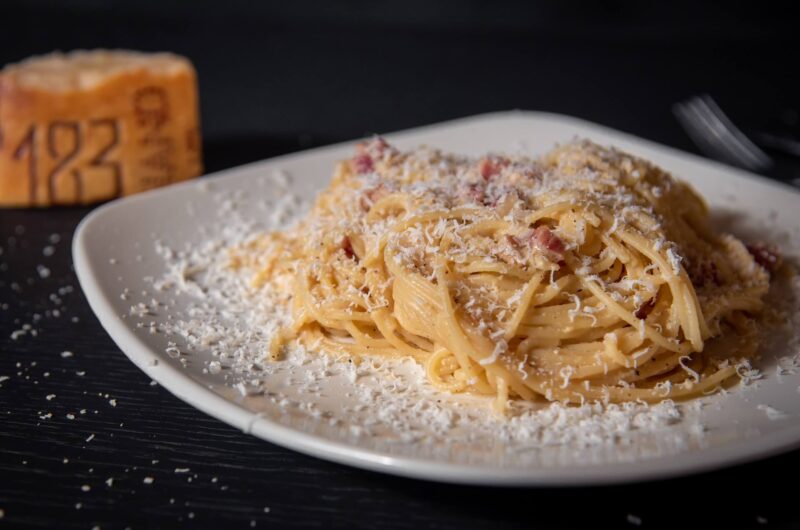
{"x": 88, "y": 126}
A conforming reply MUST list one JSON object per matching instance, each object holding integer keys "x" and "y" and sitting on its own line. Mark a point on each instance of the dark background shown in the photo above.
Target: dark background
{"x": 280, "y": 77}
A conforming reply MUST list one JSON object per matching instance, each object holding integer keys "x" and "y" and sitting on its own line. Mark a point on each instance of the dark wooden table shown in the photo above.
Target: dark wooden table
{"x": 87, "y": 440}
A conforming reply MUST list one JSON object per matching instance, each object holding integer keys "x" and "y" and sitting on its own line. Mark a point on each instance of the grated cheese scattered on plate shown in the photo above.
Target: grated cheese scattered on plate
{"x": 217, "y": 320}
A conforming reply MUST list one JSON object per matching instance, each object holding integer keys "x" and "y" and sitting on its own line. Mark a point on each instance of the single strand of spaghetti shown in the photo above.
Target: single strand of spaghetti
{"x": 659, "y": 364}
{"x": 350, "y": 349}
{"x": 614, "y": 273}
{"x": 487, "y": 226}
{"x": 698, "y": 330}
{"x": 551, "y": 290}
{"x": 417, "y": 341}
{"x": 362, "y": 338}
{"x": 301, "y": 304}
{"x": 278, "y": 341}
{"x": 630, "y": 339}
{"x": 621, "y": 253}
{"x": 523, "y": 305}
{"x": 501, "y": 403}
{"x": 548, "y": 211}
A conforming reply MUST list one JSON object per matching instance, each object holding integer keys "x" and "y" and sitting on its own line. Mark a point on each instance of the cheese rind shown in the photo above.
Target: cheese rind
{"x": 89, "y": 126}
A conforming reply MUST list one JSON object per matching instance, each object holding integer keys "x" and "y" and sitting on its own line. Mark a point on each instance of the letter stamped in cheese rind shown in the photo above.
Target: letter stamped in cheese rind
{"x": 90, "y": 126}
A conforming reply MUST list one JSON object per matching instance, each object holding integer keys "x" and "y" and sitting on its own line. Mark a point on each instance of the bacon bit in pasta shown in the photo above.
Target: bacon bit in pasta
{"x": 376, "y": 146}
{"x": 362, "y": 163}
{"x": 545, "y": 240}
{"x": 372, "y": 195}
{"x": 347, "y": 246}
{"x": 491, "y": 166}
{"x": 643, "y": 310}
{"x": 765, "y": 255}
{"x": 367, "y": 153}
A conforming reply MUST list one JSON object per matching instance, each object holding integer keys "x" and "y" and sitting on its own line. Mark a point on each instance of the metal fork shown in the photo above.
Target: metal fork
{"x": 717, "y": 136}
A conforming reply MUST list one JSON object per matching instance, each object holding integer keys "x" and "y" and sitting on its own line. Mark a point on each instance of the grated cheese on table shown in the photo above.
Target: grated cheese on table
{"x": 635, "y": 520}
{"x": 771, "y": 412}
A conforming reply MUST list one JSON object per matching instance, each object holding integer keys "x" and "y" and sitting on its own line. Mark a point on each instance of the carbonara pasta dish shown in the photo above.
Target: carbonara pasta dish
{"x": 585, "y": 275}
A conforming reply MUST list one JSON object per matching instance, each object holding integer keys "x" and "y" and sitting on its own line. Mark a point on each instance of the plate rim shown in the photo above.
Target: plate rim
{"x": 197, "y": 395}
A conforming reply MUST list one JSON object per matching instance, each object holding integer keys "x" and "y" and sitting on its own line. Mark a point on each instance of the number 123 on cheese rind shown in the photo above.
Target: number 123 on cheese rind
{"x": 89, "y": 126}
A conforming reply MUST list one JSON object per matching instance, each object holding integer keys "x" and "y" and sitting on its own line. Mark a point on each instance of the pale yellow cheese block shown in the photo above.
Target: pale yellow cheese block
{"x": 88, "y": 126}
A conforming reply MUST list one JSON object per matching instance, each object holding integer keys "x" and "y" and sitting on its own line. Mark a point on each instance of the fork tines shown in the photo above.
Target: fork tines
{"x": 716, "y": 135}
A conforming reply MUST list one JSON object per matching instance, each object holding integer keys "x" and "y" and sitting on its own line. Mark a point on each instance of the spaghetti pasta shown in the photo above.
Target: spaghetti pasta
{"x": 588, "y": 274}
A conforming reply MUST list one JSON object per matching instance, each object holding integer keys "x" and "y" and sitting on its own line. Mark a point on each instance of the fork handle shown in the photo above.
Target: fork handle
{"x": 777, "y": 142}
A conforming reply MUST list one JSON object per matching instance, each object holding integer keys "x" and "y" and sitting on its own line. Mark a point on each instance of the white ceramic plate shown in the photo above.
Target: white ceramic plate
{"x": 114, "y": 250}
